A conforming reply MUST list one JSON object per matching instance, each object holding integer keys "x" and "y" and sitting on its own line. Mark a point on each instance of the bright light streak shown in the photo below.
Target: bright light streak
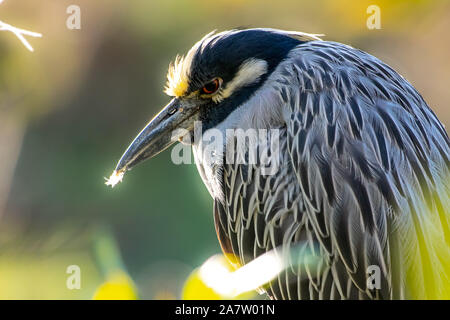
{"x": 216, "y": 275}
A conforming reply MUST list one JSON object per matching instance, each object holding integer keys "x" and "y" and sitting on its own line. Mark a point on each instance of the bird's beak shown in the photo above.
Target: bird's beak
{"x": 159, "y": 134}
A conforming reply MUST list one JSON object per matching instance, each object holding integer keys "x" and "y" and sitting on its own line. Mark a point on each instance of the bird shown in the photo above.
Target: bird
{"x": 355, "y": 173}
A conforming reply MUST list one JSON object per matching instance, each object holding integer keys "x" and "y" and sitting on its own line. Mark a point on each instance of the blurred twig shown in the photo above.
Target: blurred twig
{"x": 20, "y": 33}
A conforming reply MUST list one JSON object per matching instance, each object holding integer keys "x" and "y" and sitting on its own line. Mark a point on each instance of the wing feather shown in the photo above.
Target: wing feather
{"x": 362, "y": 146}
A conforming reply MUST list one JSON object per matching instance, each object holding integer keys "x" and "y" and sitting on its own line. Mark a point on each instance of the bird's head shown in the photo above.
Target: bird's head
{"x": 217, "y": 75}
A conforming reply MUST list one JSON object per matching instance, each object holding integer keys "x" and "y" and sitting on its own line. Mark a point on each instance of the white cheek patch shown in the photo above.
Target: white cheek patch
{"x": 249, "y": 72}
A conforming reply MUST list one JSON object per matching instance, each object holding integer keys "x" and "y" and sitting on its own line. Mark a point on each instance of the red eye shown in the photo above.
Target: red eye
{"x": 211, "y": 87}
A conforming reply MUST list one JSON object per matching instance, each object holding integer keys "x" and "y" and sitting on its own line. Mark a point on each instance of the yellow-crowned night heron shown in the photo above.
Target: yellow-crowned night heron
{"x": 362, "y": 163}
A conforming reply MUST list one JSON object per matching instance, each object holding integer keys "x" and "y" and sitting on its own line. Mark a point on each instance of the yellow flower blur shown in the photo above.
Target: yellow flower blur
{"x": 118, "y": 286}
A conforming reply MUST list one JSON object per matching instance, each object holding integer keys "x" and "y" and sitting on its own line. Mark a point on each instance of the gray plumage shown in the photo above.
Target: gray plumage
{"x": 365, "y": 164}
{"x": 363, "y": 172}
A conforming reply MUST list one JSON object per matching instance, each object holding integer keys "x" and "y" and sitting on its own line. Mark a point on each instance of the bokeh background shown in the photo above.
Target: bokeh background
{"x": 69, "y": 110}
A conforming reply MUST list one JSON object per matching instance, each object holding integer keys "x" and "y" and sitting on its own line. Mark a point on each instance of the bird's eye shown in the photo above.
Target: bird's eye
{"x": 212, "y": 86}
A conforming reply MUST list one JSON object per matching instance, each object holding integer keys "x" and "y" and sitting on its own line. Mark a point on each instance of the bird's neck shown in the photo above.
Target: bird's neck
{"x": 242, "y": 131}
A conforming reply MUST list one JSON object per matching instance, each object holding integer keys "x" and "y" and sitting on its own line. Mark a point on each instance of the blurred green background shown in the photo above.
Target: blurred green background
{"x": 69, "y": 110}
